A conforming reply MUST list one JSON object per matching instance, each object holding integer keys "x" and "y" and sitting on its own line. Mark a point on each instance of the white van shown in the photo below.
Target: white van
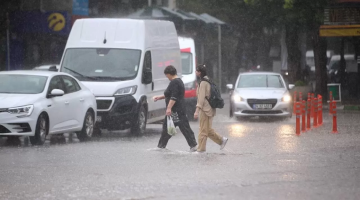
{"x": 188, "y": 61}
{"x": 122, "y": 61}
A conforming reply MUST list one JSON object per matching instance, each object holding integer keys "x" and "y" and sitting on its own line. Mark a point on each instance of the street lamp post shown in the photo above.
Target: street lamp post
{"x": 8, "y": 40}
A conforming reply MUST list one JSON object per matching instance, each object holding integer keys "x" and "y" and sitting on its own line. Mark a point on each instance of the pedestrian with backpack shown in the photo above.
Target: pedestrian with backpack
{"x": 208, "y": 99}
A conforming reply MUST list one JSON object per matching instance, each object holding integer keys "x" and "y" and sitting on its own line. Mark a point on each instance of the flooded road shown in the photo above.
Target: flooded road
{"x": 263, "y": 159}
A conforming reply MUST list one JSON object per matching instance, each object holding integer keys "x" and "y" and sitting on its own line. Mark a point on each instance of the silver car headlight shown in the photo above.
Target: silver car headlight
{"x": 237, "y": 98}
{"x": 286, "y": 98}
{"x": 22, "y": 111}
{"x": 126, "y": 91}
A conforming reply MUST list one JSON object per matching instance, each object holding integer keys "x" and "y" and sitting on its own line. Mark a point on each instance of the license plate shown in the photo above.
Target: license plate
{"x": 98, "y": 118}
{"x": 262, "y": 106}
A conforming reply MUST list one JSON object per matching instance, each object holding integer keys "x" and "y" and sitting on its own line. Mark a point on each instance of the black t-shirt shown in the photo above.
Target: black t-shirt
{"x": 175, "y": 91}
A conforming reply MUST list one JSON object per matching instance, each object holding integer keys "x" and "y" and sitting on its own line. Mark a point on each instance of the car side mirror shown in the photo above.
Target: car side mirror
{"x": 147, "y": 77}
{"x": 291, "y": 86}
{"x": 56, "y": 93}
{"x": 53, "y": 68}
{"x": 230, "y": 86}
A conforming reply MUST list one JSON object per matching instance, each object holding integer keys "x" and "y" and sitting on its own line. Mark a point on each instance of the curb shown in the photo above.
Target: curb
{"x": 351, "y": 107}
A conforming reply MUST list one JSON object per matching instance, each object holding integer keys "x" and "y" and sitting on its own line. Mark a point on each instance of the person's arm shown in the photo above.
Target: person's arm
{"x": 174, "y": 88}
{"x": 200, "y": 99}
{"x": 168, "y": 109}
{"x": 156, "y": 98}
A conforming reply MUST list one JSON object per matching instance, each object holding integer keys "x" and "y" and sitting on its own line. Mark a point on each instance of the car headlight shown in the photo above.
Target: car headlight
{"x": 126, "y": 91}
{"x": 22, "y": 111}
{"x": 286, "y": 98}
{"x": 237, "y": 98}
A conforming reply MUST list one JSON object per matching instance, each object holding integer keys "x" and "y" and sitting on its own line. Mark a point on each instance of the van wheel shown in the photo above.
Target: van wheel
{"x": 139, "y": 126}
{"x": 41, "y": 131}
{"x": 88, "y": 127}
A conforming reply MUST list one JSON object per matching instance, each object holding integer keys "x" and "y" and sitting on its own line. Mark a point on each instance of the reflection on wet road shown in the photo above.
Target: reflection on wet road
{"x": 263, "y": 159}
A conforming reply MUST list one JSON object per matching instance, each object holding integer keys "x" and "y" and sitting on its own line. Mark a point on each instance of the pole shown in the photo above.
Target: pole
{"x": 303, "y": 113}
{"x": 308, "y": 114}
{"x": 294, "y": 101}
{"x": 333, "y": 111}
{"x": 320, "y": 108}
{"x": 8, "y": 40}
{"x": 315, "y": 112}
{"x": 298, "y": 114}
{"x": 149, "y": 3}
{"x": 220, "y": 67}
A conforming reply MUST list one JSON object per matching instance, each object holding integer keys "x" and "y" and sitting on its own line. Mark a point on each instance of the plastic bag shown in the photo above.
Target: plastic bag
{"x": 171, "y": 129}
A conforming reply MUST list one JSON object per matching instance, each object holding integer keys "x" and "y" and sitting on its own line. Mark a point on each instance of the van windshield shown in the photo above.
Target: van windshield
{"x": 187, "y": 63}
{"x": 101, "y": 64}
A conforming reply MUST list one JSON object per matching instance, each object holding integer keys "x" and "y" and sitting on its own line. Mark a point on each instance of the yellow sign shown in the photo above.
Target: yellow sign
{"x": 56, "y": 22}
{"x": 340, "y": 31}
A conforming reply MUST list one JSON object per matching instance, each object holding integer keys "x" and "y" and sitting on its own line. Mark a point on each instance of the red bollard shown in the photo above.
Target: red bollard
{"x": 315, "y": 113}
{"x": 300, "y": 97}
{"x": 308, "y": 114}
{"x": 333, "y": 111}
{"x": 312, "y": 105}
{"x": 294, "y": 100}
{"x": 303, "y": 113}
{"x": 320, "y": 110}
{"x": 298, "y": 113}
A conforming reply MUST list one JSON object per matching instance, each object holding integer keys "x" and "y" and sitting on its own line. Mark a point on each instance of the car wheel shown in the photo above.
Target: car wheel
{"x": 88, "y": 127}
{"x": 139, "y": 126}
{"x": 41, "y": 131}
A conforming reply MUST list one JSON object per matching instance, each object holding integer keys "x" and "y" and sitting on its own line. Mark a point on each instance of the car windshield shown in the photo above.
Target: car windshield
{"x": 260, "y": 81}
{"x": 101, "y": 64}
{"x": 187, "y": 63}
{"x": 22, "y": 84}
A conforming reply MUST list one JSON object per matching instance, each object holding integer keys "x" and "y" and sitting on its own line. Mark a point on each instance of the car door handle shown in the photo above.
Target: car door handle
{"x": 67, "y": 103}
{"x": 82, "y": 100}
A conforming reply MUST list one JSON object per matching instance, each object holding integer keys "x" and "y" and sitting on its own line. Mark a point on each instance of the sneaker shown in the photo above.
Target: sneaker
{"x": 193, "y": 149}
{"x": 223, "y": 143}
{"x": 199, "y": 152}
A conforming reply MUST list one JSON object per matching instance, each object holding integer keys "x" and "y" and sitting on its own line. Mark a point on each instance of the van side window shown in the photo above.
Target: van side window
{"x": 147, "y": 69}
{"x": 147, "y": 62}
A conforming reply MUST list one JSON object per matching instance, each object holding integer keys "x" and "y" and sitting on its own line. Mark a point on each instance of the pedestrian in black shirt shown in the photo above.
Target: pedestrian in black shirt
{"x": 175, "y": 107}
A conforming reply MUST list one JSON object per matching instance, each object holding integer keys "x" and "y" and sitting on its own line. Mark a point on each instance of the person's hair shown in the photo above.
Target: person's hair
{"x": 170, "y": 70}
{"x": 202, "y": 70}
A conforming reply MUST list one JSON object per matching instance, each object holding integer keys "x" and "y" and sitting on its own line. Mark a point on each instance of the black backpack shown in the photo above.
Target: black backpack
{"x": 215, "y": 99}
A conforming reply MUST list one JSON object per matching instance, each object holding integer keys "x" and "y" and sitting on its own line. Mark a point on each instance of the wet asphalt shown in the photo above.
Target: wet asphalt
{"x": 263, "y": 159}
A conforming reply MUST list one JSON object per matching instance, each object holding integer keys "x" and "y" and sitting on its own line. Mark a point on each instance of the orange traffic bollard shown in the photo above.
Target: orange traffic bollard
{"x": 308, "y": 114}
{"x": 303, "y": 113}
{"x": 320, "y": 110}
{"x": 315, "y": 124}
{"x": 298, "y": 114}
{"x": 312, "y": 105}
{"x": 300, "y": 97}
{"x": 294, "y": 100}
{"x": 333, "y": 112}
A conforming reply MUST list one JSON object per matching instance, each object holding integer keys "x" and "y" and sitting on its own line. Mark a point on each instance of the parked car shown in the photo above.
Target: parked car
{"x": 54, "y": 67}
{"x": 260, "y": 94}
{"x": 38, "y": 103}
{"x": 350, "y": 68}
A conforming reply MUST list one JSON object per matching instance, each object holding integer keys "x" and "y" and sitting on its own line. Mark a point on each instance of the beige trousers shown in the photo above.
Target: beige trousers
{"x": 206, "y": 131}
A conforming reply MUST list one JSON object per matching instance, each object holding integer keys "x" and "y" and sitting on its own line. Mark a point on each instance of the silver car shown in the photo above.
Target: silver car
{"x": 260, "y": 94}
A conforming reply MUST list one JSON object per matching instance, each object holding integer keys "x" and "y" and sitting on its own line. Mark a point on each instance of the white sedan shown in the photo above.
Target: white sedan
{"x": 38, "y": 103}
{"x": 260, "y": 94}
